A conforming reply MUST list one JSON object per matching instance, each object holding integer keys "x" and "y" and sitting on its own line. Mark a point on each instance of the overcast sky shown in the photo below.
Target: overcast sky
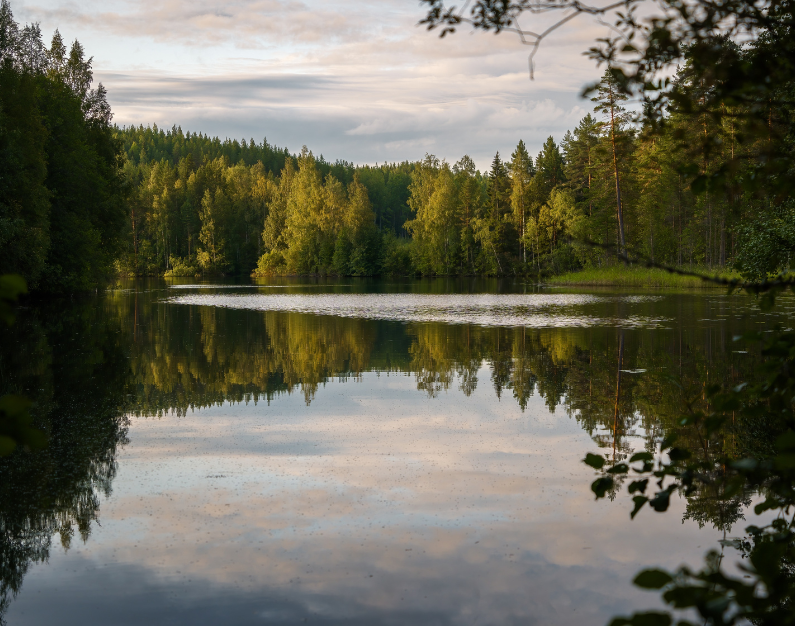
{"x": 352, "y": 80}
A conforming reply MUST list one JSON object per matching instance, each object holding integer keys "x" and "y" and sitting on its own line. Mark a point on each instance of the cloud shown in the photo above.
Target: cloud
{"x": 244, "y": 23}
{"x": 342, "y": 116}
{"x": 351, "y": 80}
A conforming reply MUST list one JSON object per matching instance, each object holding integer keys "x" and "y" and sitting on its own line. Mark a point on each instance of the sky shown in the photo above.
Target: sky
{"x": 352, "y": 80}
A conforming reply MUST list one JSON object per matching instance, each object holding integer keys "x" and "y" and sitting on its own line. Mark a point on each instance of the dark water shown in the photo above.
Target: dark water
{"x": 308, "y": 453}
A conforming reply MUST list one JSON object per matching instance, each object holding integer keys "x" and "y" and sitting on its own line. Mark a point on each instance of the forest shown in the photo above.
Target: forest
{"x": 63, "y": 202}
{"x": 202, "y": 206}
{"x": 83, "y": 200}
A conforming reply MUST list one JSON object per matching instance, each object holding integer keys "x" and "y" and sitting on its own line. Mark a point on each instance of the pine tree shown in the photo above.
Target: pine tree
{"x": 469, "y": 203}
{"x": 579, "y": 153}
{"x": 609, "y": 98}
{"x": 521, "y": 168}
{"x": 490, "y": 229}
{"x": 550, "y": 166}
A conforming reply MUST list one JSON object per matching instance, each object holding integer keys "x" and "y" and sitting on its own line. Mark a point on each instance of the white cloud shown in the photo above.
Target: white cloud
{"x": 352, "y": 80}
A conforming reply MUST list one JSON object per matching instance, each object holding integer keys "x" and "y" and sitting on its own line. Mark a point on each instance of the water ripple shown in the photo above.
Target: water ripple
{"x": 534, "y": 310}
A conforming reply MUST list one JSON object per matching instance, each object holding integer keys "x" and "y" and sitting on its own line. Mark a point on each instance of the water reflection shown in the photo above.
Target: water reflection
{"x": 442, "y": 459}
{"x": 534, "y": 310}
{"x": 74, "y": 362}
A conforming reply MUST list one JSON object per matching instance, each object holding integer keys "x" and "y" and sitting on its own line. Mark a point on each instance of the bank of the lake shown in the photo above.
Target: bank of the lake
{"x": 637, "y": 276}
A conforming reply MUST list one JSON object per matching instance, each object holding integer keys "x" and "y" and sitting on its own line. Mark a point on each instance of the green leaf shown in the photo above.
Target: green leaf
{"x": 596, "y": 461}
{"x": 683, "y": 597}
{"x": 679, "y": 454}
{"x": 652, "y": 618}
{"x": 642, "y": 456}
{"x": 7, "y": 445}
{"x": 620, "y": 468}
{"x": 639, "y": 502}
{"x": 601, "y": 485}
{"x": 660, "y": 501}
{"x": 786, "y": 441}
{"x": 766, "y": 506}
{"x": 718, "y": 605}
{"x": 785, "y": 461}
{"x": 766, "y": 559}
{"x": 638, "y": 485}
{"x": 13, "y": 405}
{"x": 652, "y": 579}
{"x": 11, "y": 287}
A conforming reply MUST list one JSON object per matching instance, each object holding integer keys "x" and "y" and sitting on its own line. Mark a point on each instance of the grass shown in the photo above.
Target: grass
{"x": 636, "y": 276}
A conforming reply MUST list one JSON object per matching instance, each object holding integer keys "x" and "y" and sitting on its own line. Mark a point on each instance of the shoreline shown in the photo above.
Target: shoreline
{"x": 647, "y": 278}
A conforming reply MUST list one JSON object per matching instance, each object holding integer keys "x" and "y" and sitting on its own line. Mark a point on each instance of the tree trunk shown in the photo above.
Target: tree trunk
{"x": 620, "y": 213}
{"x": 618, "y": 390}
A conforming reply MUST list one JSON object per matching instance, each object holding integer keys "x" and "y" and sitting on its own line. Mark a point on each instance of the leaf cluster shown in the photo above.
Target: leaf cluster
{"x": 767, "y": 592}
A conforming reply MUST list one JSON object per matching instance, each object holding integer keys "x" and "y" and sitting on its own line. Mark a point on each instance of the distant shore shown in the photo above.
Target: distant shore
{"x": 619, "y": 276}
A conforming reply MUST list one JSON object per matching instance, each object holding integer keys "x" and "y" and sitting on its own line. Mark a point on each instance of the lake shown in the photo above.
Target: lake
{"x": 353, "y": 451}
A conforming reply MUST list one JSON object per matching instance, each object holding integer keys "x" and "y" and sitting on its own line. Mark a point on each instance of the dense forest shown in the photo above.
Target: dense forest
{"x": 203, "y": 206}
{"x": 82, "y": 200}
{"x": 63, "y": 204}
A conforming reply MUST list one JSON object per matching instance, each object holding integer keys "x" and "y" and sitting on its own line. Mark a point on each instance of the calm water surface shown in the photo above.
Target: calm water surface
{"x": 352, "y": 452}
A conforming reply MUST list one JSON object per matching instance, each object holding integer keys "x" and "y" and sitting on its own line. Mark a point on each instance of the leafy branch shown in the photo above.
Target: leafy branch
{"x": 766, "y": 595}
{"x": 768, "y": 287}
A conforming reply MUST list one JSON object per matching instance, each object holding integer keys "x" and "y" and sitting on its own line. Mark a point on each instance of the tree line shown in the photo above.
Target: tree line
{"x": 62, "y": 199}
{"x": 206, "y": 206}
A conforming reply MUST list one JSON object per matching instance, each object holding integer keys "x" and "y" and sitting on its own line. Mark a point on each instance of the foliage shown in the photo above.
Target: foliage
{"x": 715, "y": 122}
{"x": 11, "y": 287}
{"x": 752, "y": 84}
{"x": 720, "y": 131}
{"x": 763, "y": 464}
{"x": 396, "y": 256}
{"x": 767, "y": 244}
{"x": 522, "y": 217}
{"x": 258, "y": 211}
{"x": 16, "y": 426}
{"x": 62, "y": 202}
{"x": 181, "y": 267}
{"x": 75, "y": 355}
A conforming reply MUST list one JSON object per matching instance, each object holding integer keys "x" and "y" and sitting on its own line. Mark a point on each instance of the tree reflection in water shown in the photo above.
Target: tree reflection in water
{"x": 89, "y": 365}
{"x": 73, "y": 361}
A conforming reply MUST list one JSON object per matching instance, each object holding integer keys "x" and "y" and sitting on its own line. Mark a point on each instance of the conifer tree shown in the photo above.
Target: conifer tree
{"x": 490, "y": 229}
{"x": 579, "y": 154}
{"x": 469, "y": 201}
{"x": 609, "y": 98}
{"x": 521, "y": 169}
